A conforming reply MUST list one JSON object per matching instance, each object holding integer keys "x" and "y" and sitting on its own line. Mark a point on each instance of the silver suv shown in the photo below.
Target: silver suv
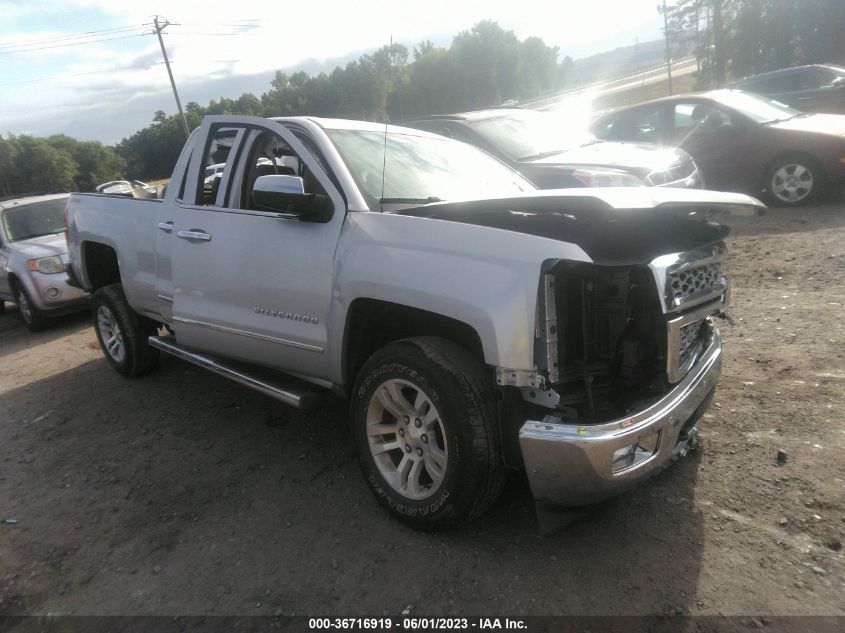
{"x": 33, "y": 254}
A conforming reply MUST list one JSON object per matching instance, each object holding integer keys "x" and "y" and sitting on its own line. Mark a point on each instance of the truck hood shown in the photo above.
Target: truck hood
{"x": 638, "y": 157}
{"x": 614, "y": 226}
{"x": 830, "y": 124}
{"x": 42, "y": 246}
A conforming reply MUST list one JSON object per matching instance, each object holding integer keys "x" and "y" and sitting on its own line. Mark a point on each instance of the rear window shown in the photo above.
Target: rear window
{"x": 35, "y": 219}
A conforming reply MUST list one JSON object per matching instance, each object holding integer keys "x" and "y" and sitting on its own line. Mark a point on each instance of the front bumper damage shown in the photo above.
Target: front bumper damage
{"x": 574, "y": 465}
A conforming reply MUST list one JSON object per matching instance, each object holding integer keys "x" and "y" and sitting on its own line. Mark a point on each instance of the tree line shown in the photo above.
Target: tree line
{"x": 29, "y": 164}
{"x": 482, "y": 67}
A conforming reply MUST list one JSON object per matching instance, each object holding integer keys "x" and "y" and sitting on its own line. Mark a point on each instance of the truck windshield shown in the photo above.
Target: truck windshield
{"x": 33, "y": 220}
{"x": 422, "y": 169}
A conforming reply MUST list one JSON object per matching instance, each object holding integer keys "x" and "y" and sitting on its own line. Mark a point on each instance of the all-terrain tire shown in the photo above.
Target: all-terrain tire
{"x": 464, "y": 431}
{"x": 122, "y": 333}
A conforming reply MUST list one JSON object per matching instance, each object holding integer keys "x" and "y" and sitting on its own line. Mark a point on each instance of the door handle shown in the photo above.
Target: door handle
{"x": 167, "y": 227}
{"x": 194, "y": 235}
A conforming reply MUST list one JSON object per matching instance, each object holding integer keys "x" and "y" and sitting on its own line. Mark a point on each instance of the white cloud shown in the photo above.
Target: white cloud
{"x": 282, "y": 35}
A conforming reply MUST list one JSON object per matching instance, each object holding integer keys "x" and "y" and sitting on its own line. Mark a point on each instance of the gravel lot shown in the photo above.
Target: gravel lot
{"x": 182, "y": 493}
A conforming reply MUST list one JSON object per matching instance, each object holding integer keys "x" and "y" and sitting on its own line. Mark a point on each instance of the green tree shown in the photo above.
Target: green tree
{"x": 95, "y": 163}
{"x": 38, "y": 166}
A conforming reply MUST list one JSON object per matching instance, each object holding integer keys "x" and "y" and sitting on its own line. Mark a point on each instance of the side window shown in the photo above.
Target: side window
{"x": 644, "y": 125}
{"x": 607, "y": 129}
{"x": 219, "y": 158}
{"x": 690, "y": 118}
{"x": 267, "y": 155}
{"x": 815, "y": 78}
{"x": 785, "y": 82}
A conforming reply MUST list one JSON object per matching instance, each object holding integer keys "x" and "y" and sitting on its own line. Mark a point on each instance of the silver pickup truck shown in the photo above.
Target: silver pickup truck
{"x": 474, "y": 323}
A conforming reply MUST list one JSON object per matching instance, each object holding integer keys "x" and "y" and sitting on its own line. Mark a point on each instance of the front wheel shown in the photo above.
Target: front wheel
{"x": 794, "y": 180}
{"x": 122, "y": 333}
{"x": 424, "y": 426}
{"x": 32, "y": 317}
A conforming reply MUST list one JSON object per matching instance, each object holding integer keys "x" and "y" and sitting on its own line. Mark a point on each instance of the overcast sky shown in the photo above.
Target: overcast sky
{"x": 107, "y": 84}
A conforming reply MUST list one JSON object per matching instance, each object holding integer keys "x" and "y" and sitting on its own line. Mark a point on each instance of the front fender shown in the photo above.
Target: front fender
{"x": 484, "y": 277}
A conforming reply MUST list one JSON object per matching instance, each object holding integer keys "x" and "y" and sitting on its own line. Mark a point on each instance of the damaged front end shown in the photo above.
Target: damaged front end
{"x": 627, "y": 358}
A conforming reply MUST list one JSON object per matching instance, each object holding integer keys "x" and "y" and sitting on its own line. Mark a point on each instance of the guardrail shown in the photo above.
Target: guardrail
{"x": 609, "y": 83}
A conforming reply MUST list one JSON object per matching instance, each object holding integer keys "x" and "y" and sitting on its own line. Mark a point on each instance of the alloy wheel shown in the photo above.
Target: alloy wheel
{"x": 407, "y": 439}
{"x": 792, "y": 183}
{"x": 111, "y": 334}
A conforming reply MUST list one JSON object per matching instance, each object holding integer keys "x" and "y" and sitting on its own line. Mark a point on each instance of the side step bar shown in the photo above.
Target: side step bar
{"x": 264, "y": 380}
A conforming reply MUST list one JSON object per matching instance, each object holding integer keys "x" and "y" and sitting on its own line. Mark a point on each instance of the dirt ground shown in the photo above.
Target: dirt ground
{"x": 182, "y": 493}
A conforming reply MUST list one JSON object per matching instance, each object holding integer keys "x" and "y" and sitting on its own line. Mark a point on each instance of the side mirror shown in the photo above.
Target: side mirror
{"x": 286, "y": 195}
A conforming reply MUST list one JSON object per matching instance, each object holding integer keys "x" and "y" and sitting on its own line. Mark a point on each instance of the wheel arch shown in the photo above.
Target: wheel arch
{"x": 373, "y": 323}
{"x": 100, "y": 265}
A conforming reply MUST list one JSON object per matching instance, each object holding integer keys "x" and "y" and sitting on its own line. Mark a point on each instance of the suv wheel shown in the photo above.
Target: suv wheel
{"x": 32, "y": 317}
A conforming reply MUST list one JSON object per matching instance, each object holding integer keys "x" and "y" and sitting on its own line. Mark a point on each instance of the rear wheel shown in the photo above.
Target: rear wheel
{"x": 794, "y": 180}
{"x": 424, "y": 425}
{"x": 32, "y": 317}
{"x": 123, "y": 333}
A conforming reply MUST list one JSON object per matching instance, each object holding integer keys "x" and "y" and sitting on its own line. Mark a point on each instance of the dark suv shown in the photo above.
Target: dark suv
{"x": 554, "y": 154}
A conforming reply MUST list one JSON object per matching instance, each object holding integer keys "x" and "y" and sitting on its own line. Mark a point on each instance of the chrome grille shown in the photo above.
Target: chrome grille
{"x": 690, "y": 278}
{"x": 698, "y": 281}
{"x": 689, "y": 337}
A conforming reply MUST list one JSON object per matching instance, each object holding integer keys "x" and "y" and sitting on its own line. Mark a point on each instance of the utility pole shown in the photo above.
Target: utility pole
{"x": 668, "y": 55}
{"x": 159, "y": 27}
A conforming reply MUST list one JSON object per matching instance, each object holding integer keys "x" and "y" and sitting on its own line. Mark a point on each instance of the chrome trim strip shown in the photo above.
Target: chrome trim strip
{"x": 168, "y": 344}
{"x": 166, "y": 298}
{"x": 260, "y": 337}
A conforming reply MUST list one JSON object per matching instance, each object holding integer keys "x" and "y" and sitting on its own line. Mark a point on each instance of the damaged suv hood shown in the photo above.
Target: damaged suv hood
{"x": 614, "y": 226}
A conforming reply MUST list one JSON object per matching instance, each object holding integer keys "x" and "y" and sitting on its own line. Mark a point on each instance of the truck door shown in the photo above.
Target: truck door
{"x": 165, "y": 236}
{"x": 250, "y": 284}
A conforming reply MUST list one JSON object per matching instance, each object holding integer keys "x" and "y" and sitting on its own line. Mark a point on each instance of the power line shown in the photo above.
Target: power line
{"x": 61, "y": 38}
{"x": 92, "y": 72}
{"x": 177, "y": 33}
{"x": 236, "y": 23}
{"x": 104, "y": 39}
{"x": 109, "y": 70}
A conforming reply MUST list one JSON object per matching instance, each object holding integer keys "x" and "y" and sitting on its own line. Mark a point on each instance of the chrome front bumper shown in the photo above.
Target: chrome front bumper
{"x": 571, "y": 464}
